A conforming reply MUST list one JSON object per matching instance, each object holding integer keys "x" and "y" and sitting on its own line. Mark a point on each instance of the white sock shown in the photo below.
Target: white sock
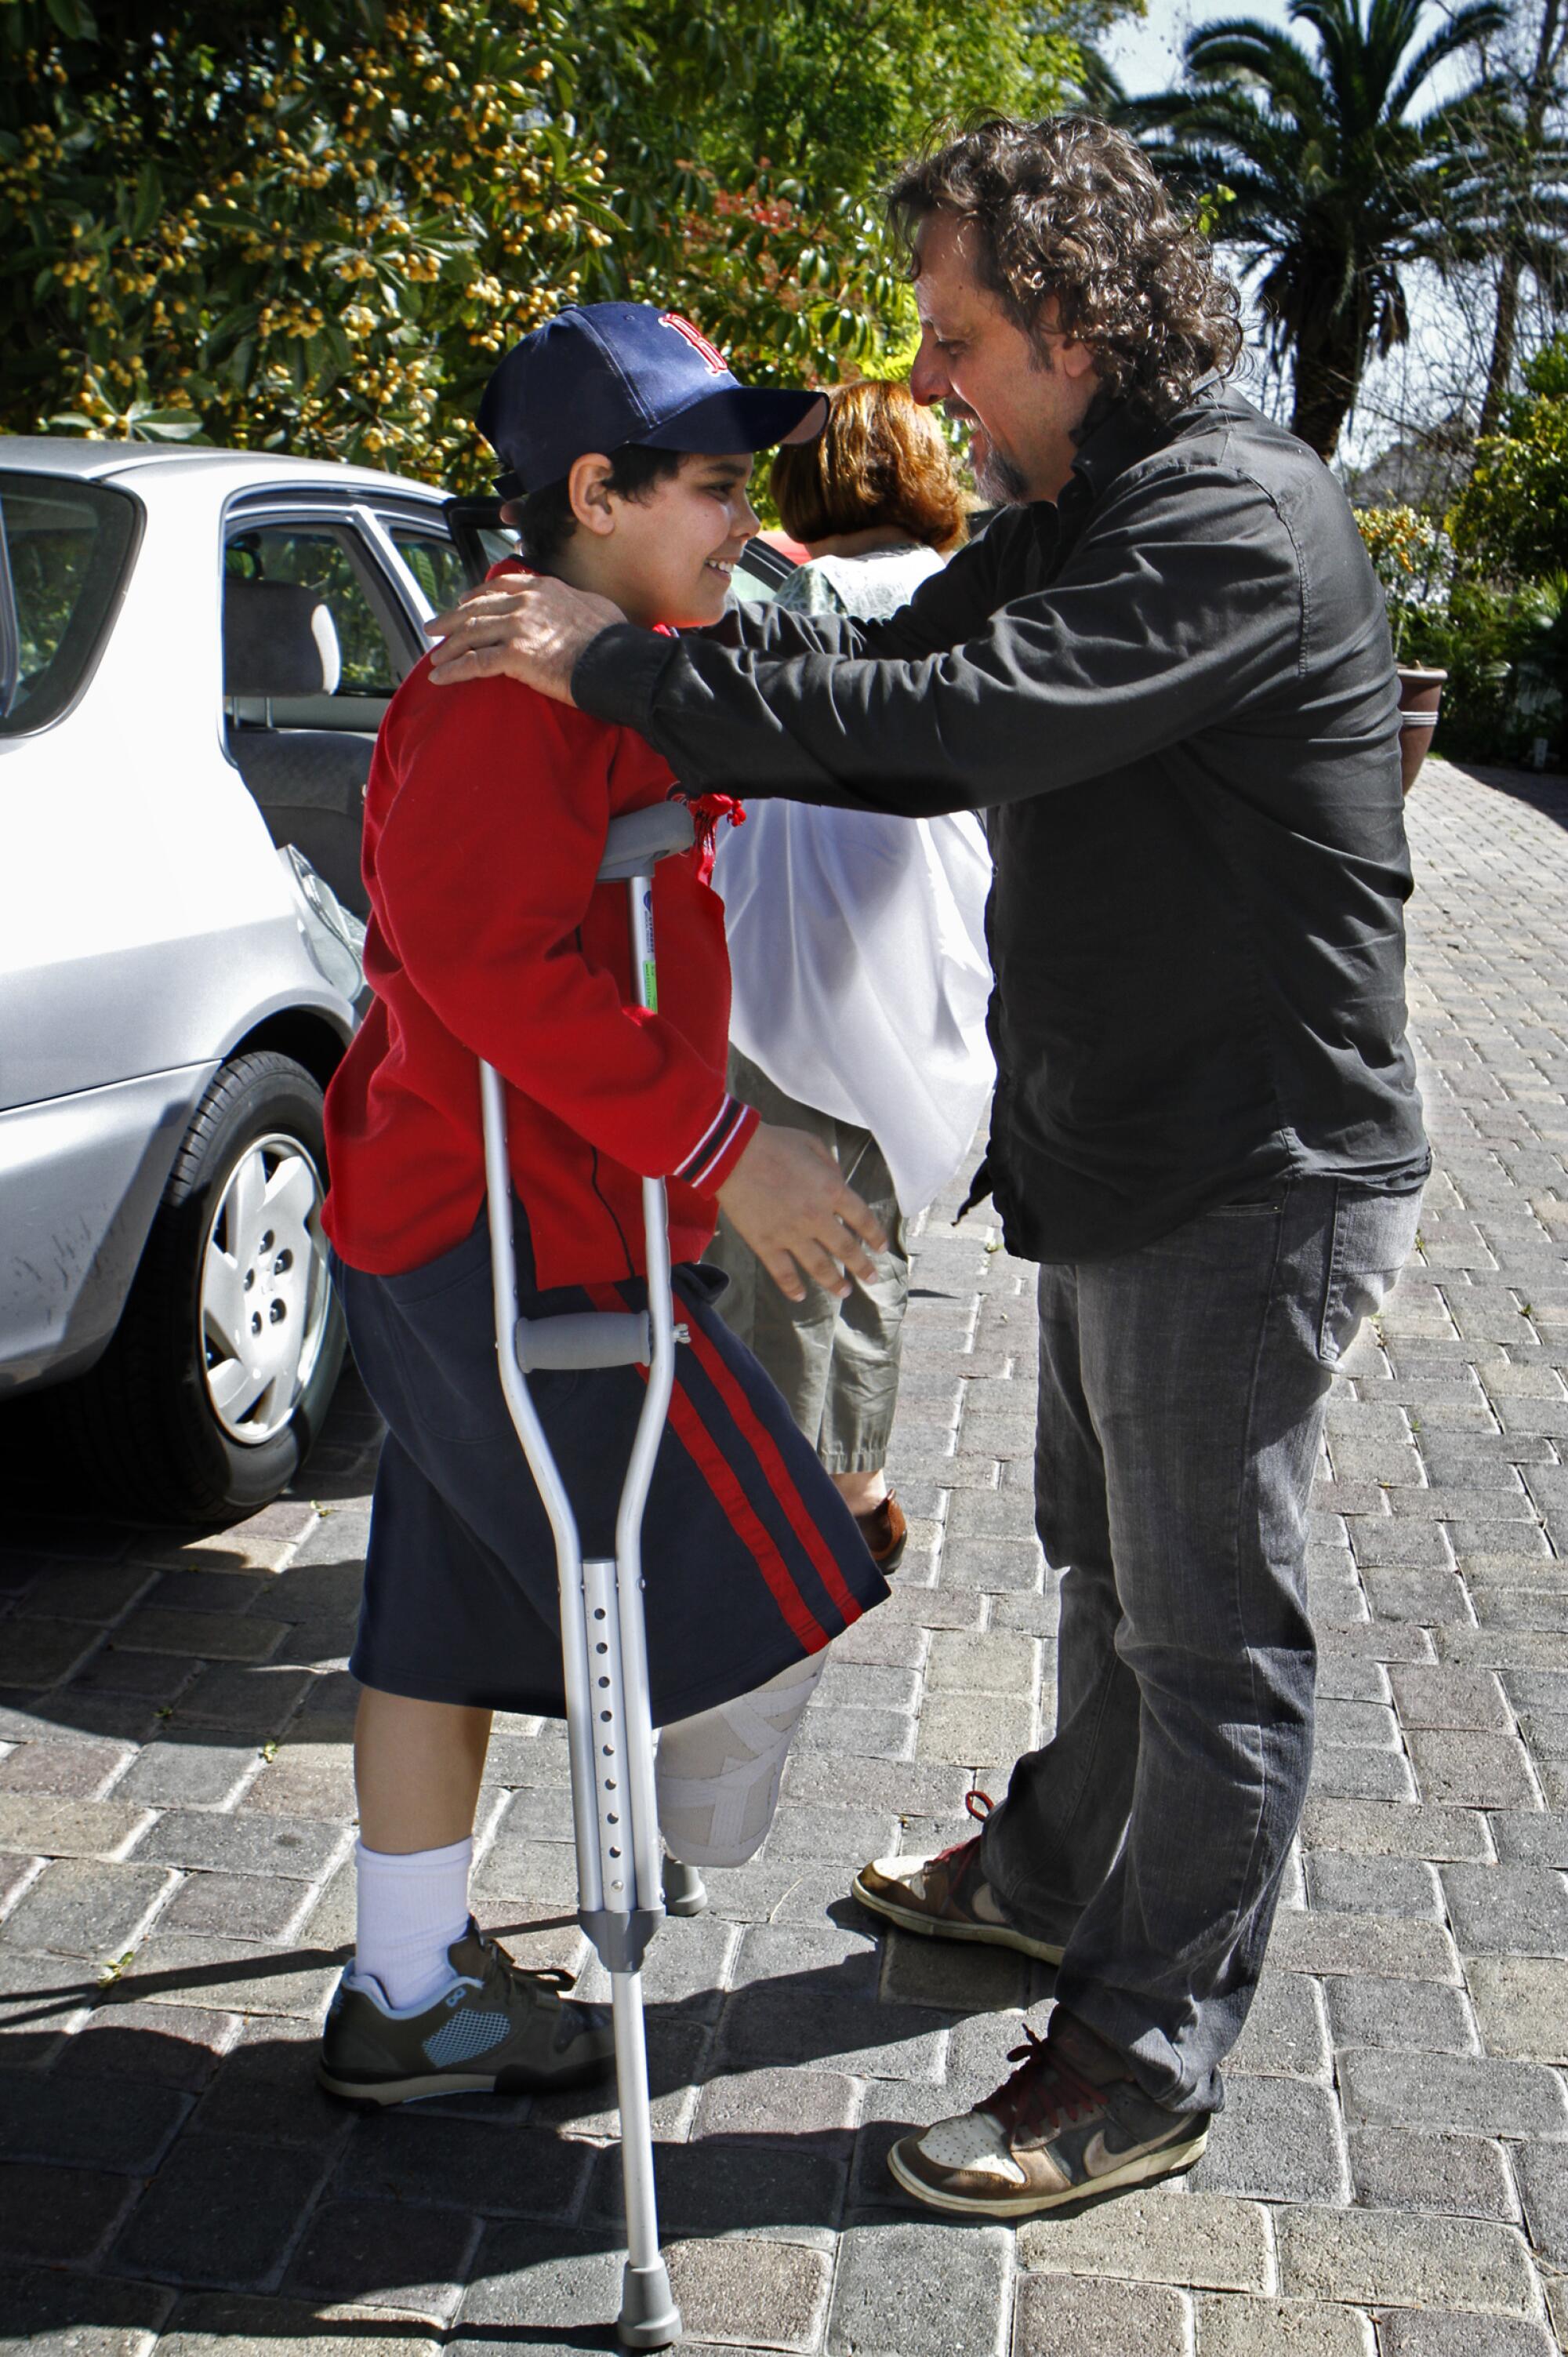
{"x": 409, "y": 1909}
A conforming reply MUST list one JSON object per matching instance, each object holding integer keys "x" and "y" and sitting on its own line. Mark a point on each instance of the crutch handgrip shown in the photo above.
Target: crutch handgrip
{"x": 596, "y": 1338}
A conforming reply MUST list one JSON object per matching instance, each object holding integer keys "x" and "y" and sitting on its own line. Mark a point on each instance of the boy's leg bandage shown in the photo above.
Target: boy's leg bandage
{"x": 718, "y": 1774}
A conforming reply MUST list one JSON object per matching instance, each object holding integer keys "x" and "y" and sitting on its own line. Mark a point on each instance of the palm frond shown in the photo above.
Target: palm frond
{"x": 1354, "y": 54}
{"x": 1464, "y": 31}
{"x": 1242, "y": 49}
{"x": 1100, "y": 86}
{"x": 1391, "y": 26}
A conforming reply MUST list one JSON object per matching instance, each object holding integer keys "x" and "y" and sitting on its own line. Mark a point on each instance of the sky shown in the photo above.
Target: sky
{"x": 1147, "y": 53}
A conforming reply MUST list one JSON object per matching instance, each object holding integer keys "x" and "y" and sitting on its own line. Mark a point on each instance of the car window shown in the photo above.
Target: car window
{"x": 435, "y": 562}
{"x": 65, "y": 547}
{"x": 318, "y": 558}
{"x": 442, "y": 567}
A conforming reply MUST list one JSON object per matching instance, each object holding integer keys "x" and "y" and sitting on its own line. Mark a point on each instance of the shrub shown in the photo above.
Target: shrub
{"x": 1512, "y": 516}
{"x": 1505, "y": 655}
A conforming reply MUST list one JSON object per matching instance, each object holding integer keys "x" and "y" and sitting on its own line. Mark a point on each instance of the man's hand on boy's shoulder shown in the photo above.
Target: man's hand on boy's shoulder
{"x": 528, "y": 626}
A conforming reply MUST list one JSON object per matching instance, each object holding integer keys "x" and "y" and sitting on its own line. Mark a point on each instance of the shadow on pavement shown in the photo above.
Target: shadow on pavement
{"x": 139, "y": 1634}
{"x": 167, "y": 2160}
{"x": 1544, "y": 790}
{"x": 516, "y": 2198}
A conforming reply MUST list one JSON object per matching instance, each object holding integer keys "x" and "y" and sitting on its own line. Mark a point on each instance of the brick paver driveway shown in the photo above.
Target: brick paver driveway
{"x": 1391, "y": 2173}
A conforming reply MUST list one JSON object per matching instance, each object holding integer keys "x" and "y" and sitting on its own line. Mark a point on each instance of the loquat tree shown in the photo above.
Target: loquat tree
{"x": 315, "y": 227}
{"x": 297, "y": 228}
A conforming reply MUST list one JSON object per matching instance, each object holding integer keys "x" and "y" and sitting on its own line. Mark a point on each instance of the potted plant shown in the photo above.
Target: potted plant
{"x": 1396, "y": 538}
{"x": 1421, "y": 694}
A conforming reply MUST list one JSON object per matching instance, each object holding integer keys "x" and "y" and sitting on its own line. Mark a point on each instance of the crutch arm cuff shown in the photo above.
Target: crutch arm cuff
{"x": 719, "y": 1148}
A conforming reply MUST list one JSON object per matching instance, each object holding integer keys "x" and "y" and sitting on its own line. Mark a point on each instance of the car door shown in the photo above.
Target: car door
{"x": 319, "y": 630}
{"x": 146, "y": 925}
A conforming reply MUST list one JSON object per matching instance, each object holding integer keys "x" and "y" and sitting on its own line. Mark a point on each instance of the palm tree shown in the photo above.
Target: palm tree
{"x": 1338, "y": 184}
{"x": 1525, "y": 166}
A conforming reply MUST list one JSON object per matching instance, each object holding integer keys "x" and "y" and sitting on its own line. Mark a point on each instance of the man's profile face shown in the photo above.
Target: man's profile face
{"x": 1021, "y": 399}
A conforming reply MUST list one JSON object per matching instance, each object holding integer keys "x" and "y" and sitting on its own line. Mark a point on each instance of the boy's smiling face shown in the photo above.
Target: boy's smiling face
{"x": 666, "y": 555}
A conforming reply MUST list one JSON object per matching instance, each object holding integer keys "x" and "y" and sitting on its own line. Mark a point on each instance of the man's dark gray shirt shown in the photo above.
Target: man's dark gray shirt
{"x": 1173, "y": 692}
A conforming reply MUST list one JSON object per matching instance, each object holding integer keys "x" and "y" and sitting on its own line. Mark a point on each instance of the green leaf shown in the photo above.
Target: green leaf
{"x": 150, "y": 203}
{"x": 242, "y": 315}
{"x": 165, "y": 426}
{"x": 74, "y": 19}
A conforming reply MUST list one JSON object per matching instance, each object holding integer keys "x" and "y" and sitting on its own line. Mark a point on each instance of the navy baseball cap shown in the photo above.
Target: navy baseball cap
{"x": 600, "y": 374}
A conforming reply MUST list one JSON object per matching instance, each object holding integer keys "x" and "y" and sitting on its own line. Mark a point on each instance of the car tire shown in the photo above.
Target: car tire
{"x": 153, "y": 1427}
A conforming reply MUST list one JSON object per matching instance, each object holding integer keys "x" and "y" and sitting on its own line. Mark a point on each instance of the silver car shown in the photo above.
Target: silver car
{"x": 195, "y": 650}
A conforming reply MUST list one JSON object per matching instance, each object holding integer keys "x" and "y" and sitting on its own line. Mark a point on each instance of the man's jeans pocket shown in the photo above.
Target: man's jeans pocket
{"x": 1373, "y": 1234}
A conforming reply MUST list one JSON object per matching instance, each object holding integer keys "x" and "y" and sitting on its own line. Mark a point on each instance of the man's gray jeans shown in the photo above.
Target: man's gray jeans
{"x": 1182, "y": 1394}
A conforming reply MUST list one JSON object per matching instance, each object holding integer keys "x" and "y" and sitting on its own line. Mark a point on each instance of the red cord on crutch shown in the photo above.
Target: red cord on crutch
{"x": 610, "y": 1725}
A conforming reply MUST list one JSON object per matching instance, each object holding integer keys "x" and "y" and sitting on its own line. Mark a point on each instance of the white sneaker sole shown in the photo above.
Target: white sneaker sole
{"x": 986, "y": 1935}
{"x": 378, "y": 2094}
{"x": 1169, "y": 2160}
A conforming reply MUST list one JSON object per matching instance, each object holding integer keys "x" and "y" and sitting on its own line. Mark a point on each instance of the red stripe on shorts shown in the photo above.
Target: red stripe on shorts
{"x": 774, "y": 1471}
{"x": 721, "y": 1478}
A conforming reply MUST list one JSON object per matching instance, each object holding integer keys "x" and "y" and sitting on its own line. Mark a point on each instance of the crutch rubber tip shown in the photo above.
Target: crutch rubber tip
{"x": 648, "y": 2316}
{"x": 685, "y": 1890}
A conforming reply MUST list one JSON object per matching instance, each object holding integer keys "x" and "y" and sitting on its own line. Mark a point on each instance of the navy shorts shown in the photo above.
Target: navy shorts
{"x": 750, "y": 1558}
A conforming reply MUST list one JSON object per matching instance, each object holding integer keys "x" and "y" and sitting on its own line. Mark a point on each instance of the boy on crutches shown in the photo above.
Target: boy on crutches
{"x": 628, "y": 446}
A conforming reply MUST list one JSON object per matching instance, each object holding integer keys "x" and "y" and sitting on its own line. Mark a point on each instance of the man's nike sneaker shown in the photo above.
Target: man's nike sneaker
{"x": 497, "y": 2029}
{"x": 946, "y": 1896}
{"x": 1071, "y": 2121}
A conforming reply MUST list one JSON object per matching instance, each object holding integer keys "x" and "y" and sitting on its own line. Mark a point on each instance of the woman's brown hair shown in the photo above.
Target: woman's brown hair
{"x": 880, "y": 459}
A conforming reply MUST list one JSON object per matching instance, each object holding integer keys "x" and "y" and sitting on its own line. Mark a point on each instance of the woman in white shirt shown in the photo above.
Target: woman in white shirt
{"x": 858, "y": 949}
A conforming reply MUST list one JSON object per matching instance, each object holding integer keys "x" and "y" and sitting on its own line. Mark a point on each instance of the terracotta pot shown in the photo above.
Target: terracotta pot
{"x": 1421, "y": 692}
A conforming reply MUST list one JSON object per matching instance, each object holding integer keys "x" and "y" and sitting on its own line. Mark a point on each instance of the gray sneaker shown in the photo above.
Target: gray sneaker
{"x": 497, "y": 2030}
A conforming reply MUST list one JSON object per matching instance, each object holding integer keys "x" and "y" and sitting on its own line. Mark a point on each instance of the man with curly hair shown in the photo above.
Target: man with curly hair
{"x": 1165, "y": 672}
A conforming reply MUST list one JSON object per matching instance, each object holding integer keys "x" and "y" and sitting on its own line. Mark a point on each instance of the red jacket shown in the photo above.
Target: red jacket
{"x": 485, "y": 822}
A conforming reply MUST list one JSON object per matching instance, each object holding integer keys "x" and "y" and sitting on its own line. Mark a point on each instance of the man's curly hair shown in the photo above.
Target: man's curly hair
{"x": 1071, "y": 212}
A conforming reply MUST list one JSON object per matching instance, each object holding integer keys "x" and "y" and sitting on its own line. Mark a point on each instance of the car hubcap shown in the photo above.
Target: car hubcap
{"x": 266, "y": 1295}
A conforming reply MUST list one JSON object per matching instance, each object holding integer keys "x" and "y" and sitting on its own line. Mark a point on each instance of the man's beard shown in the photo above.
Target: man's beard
{"x": 999, "y": 482}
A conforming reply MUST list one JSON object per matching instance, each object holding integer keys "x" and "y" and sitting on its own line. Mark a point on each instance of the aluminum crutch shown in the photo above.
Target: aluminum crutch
{"x": 610, "y": 1725}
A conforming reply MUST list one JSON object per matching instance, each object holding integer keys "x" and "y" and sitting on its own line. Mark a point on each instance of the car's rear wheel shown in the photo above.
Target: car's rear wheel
{"x": 220, "y": 1373}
